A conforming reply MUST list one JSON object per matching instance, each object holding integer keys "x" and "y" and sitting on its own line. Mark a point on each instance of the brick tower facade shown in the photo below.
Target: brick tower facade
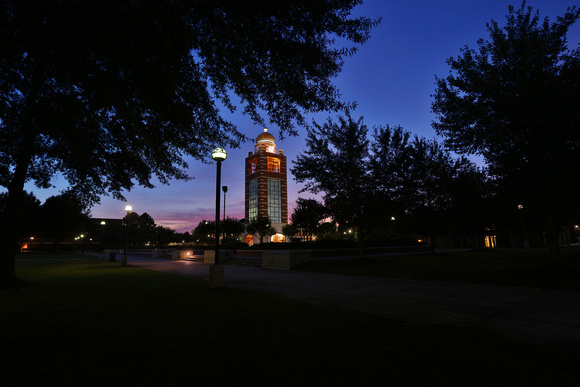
{"x": 266, "y": 182}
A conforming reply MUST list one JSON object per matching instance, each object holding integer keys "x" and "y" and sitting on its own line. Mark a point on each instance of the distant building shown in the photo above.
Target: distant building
{"x": 266, "y": 185}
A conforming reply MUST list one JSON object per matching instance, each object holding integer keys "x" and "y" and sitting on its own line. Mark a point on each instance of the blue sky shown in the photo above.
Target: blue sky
{"x": 391, "y": 77}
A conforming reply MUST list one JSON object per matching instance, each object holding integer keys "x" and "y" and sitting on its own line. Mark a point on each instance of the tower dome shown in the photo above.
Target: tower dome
{"x": 265, "y": 142}
{"x": 265, "y": 138}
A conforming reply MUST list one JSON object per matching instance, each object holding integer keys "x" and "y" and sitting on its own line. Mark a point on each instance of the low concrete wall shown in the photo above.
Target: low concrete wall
{"x": 178, "y": 255}
{"x": 283, "y": 259}
{"x": 245, "y": 261}
{"x": 159, "y": 253}
{"x": 249, "y": 253}
{"x": 225, "y": 255}
{"x": 369, "y": 250}
{"x": 117, "y": 251}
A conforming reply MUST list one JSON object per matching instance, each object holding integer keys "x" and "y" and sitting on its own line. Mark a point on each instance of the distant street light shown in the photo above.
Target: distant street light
{"x": 81, "y": 239}
{"x": 225, "y": 189}
{"x": 103, "y": 224}
{"x": 216, "y": 271}
{"x": 128, "y": 209}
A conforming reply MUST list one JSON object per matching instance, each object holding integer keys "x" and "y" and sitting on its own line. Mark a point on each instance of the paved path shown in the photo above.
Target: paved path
{"x": 527, "y": 314}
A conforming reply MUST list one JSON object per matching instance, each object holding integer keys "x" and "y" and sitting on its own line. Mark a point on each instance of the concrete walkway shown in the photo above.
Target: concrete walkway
{"x": 528, "y": 314}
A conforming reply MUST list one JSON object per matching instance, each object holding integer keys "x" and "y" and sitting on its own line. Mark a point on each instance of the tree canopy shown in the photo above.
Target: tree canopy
{"x": 262, "y": 227}
{"x": 336, "y": 163}
{"x": 515, "y": 101}
{"x": 432, "y": 186}
{"x": 369, "y": 182}
{"x": 29, "y": 214}
{"x": 307, "y": 215}
{"x": 62, "y": 216}
{"x": 110, "y": 94}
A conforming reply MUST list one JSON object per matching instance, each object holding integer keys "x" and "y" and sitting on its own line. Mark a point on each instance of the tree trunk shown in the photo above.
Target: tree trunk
{"x": 10, "y": 226}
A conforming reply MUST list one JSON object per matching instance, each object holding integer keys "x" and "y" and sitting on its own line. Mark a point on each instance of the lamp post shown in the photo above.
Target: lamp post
{"x": 128, "y": 209}
{"x": 81, "y": 238}
{"x": 103, "y": 223}
{"x": 225, "y": 189}
{"x": 216, "y": 271}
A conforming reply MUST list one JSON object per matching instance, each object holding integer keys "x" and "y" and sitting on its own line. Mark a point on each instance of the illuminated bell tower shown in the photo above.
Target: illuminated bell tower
{"x": 266, "y": 182}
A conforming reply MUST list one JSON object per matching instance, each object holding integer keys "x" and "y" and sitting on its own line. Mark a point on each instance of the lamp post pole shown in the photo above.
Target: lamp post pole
{"x": 225, "y": 189}
{"x": 216, "y": 271}
{"x": 103, "y": 224}
{"x": 217, "y": 213}
{"x": 128, "y": 209}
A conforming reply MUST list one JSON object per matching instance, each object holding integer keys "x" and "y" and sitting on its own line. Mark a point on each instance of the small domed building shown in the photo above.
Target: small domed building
{"x": 266, "y": 185}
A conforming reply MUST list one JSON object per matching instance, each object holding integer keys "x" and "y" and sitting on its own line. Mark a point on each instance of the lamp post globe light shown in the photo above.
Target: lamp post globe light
{"x": 219, "y": 154}
{"x": 128, "y": 210}
{"x": 216, "y": 271}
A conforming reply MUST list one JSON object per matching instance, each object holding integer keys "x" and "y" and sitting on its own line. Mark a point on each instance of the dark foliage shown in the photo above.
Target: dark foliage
{"x": 388, "y": 186}
{"x": 110, "y": 94}
{"x": 515, "y": 101}
{"x": 307, "y": 215}
{"x": 336, "y": 163}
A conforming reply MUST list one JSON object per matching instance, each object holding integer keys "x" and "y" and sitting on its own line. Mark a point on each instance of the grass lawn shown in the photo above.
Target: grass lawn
{"x": 97, "y": 323}
{"x": 520, "y": 267}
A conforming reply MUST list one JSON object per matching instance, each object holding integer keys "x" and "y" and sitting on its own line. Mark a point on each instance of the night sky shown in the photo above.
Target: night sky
{"x": 391, "y": 77}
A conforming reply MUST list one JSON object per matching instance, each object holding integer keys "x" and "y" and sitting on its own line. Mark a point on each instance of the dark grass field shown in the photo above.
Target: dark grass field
{"x": 519, "y": 267}
{"x": 97, "y": 323}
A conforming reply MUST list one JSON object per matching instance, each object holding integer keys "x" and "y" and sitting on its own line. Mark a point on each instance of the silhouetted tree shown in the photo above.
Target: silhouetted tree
{"x": 63, "y": 216}
{"x": 165, "y": 235}
{"x": 336, "y": 164}
{"x": 472, "y": 208}
{"x": 307, "y": 215}
{"x": 186, "y": 237}
{"x": 515, "y": 101}
{"x": 204, "y": 233}
{"x": 146, "y": 222}
{"x": 110, "y": 94}
{"x": 262, "y": 227}
{"x": 28, "y": 222}
{"x": 231, "y": 227}
{"x": 289, "y": 230}
{"x": 145, "y": 229}
{"x": 389, "y": 164}
{"x": 431, "y": 186}
{"x": 327, "y": 230}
